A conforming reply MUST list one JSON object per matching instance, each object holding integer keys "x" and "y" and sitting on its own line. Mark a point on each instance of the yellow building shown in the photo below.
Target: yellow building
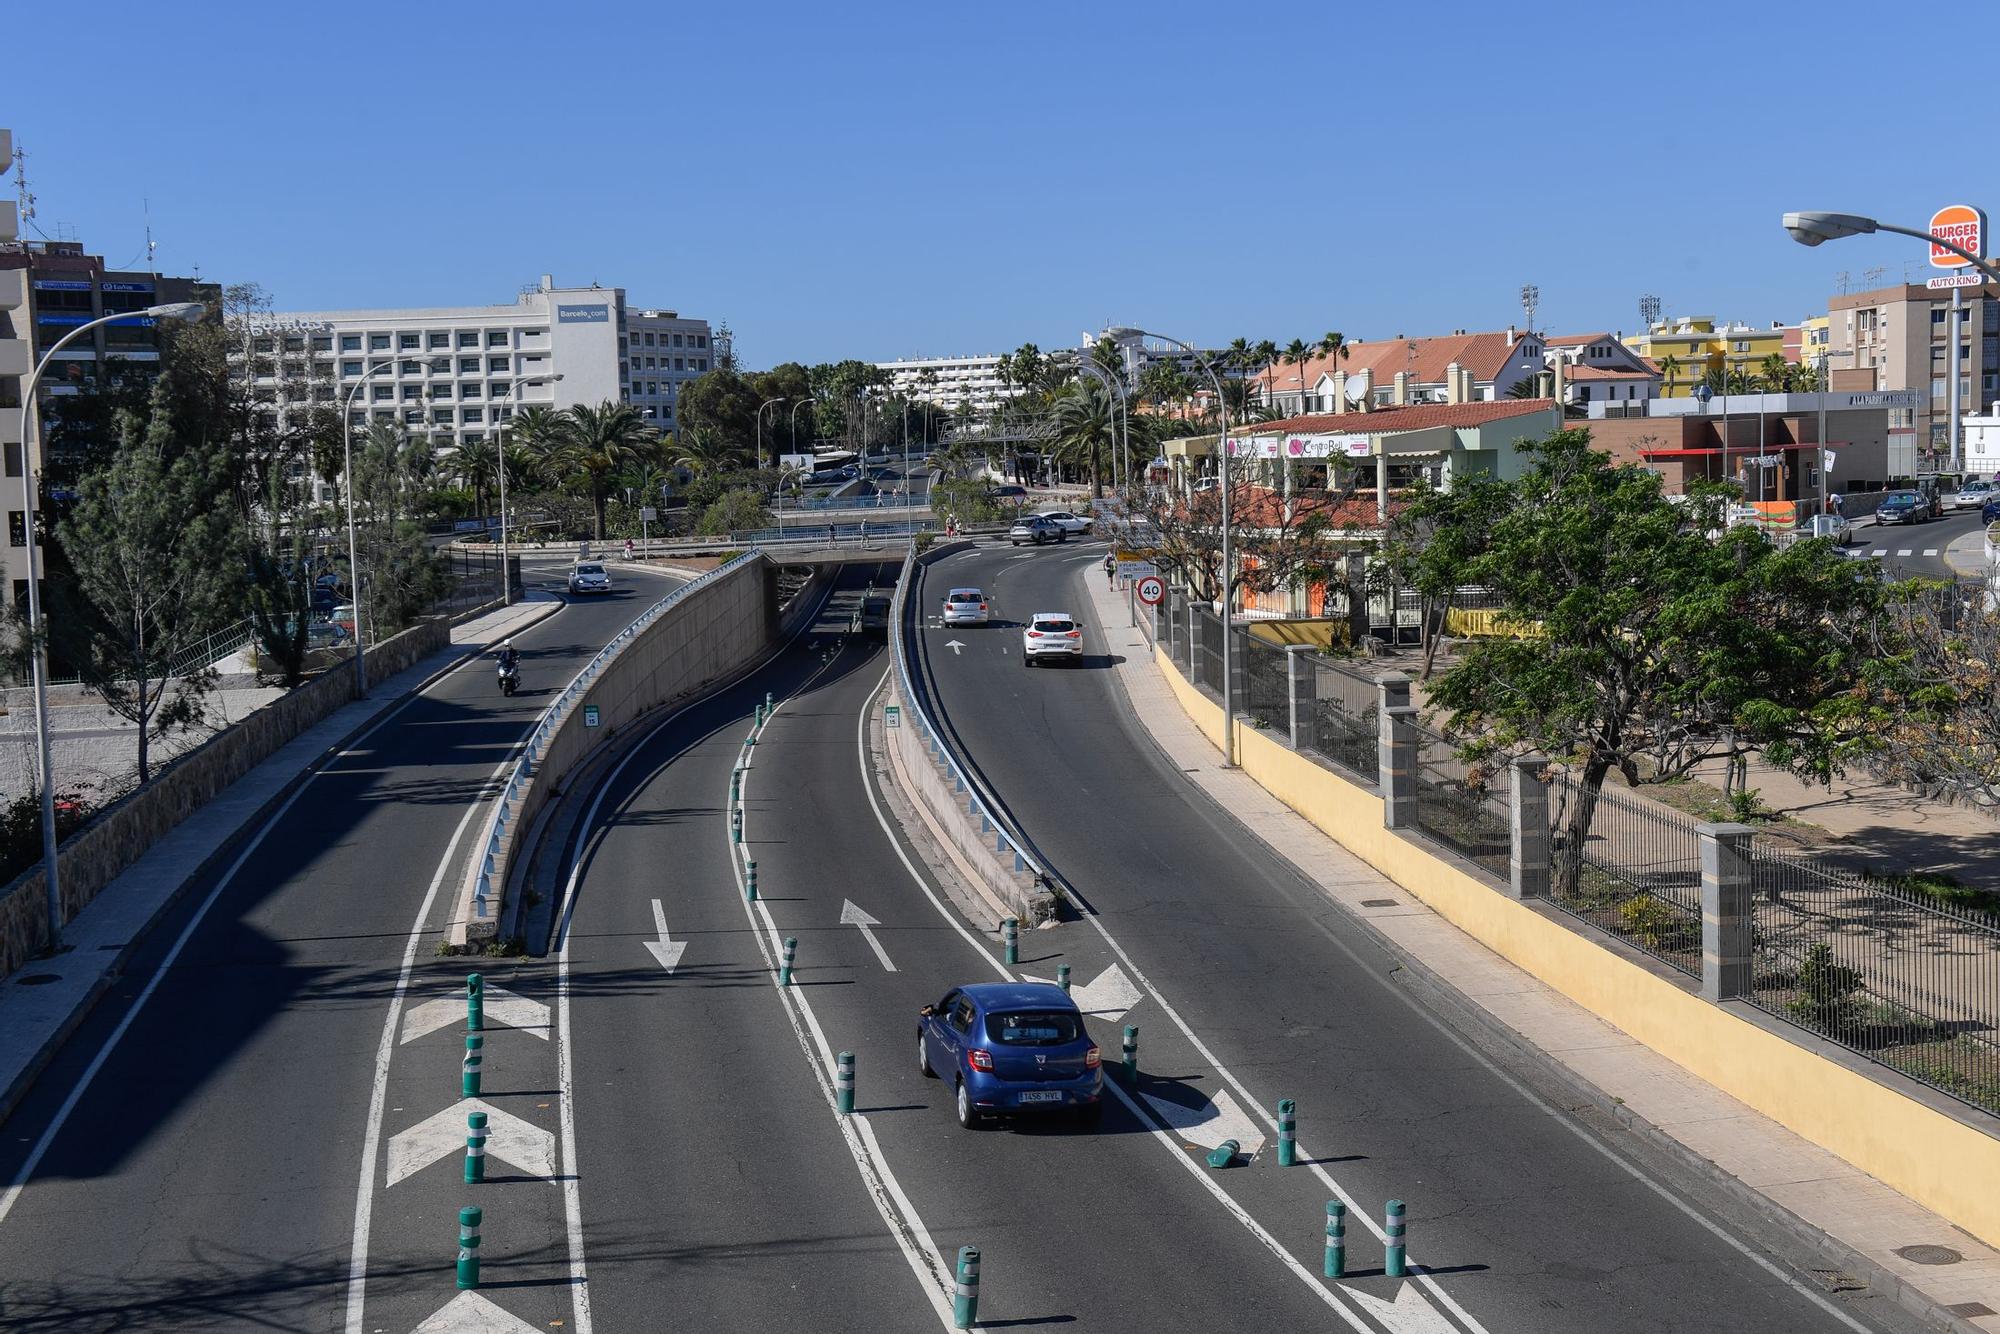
{"x": 1687, "y": 348}
{"x": 1815, "y": 338}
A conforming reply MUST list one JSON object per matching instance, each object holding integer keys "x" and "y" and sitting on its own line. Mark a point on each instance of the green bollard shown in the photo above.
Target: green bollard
{"x": 736, "y": 824}
{"x": 965, "y": 1299}
{"x": 1336, "y": 1239}
{"x": 475, "y": 1147}
{"x": 760, "y": 715}
{"x": 1131, "y": 1055}
{"x": 1392, "y": 1256}
{"x": 1062, "y": 977}
{"x": 785, "y": 969}
{"x": 751, "y": 740}
{"x": 1288, "y": 1133}
{"x": 843, "y": 1082}
{"x": 468, "y": 1247}
{"x": 475, "y": 1002}
{"x": 769, "y": 706}
{"x": 750, "y": 880}
{"x": 735, "y": 787}
{"x": 1010, "y": 932}
{"x": 474, "y": 1058}
{"x": 1223, "y": 1154}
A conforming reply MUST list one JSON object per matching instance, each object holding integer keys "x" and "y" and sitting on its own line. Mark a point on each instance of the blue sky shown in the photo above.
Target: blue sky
{"x": 886, "y": 180}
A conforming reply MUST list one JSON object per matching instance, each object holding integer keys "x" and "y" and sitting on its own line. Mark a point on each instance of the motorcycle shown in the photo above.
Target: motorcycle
{"x": 510, "y": 678}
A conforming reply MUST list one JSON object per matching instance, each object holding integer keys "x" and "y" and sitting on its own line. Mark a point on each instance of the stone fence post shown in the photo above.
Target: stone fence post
{"x": 1726, "y": 886}
{"x": 1398, "y": 753}
{"x": 1301, "y": 678}
{"x": 1528, "y": 817}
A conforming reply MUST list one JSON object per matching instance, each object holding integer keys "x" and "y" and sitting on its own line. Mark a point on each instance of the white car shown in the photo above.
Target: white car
{"x": 1065, "y": 520}
{"x": 965, "y": 606}
{"x": 1972, "y": 495}
{"x": 1830, "y": 525}
{"x": 589, "y": 577}
{"x": 1051, "y": 634}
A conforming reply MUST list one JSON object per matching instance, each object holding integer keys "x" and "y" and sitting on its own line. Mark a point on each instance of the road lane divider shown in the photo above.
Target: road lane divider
{"x": 1010, "y": 932}
{"x": 1336, "y": 1240}
{"x": 750, "y": 880}
{"x": 469, "y": 1219}
{"x": 843, "y": 1083}
{"x": 965, "y": 1295}
{"x": 1393, "y": 1249}
{"x": 785, "y": 968}
{"x": 1130, "y": 1049}
{"x": 475, "y": 1001}
{"x": 475, "y": 1147}
{"x": 1288, "y": 1132}
{"x": 475, "y": 1060}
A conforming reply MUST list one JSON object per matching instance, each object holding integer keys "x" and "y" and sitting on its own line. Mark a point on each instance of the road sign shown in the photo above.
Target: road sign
{"x": 1151, "y": 589}
{"x": 590, "y": 715}
{"x": 1962, "y": 224}
{"x": 892, "y": 715}
{"x": 649, "y": 514}
{"x": 1950, "y": 280}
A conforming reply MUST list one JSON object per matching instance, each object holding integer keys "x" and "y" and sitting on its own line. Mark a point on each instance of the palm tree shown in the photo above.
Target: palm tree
{"x": 1297, "y": 353}
{"x": 604, "y": 441}
{"x": 1333, "y": 346}
{"x": 1236, "y": 357}
{"x": 704, "y": 452}
{"x": 1265, "y": 354}
{"x": 1670, "y": 369}
{"x": 540, "y": 435}
{"x": 1085, "y": 427}
{"x": 471, "y": 465}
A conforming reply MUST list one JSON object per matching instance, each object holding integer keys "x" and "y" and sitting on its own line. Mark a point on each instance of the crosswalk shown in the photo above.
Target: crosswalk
{"x": 1906, "y": 551}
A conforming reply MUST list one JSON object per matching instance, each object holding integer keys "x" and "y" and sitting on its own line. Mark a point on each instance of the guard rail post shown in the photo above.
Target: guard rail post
{"x": 1398, "y": 752}
{"x": 1726, "y": 921}
{"x": 1238, "y": 659}
{"x": 1528, "y": 818}
{"x": 1301, "y": 678}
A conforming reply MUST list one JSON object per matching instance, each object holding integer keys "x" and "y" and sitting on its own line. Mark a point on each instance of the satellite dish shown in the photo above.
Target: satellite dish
{"x": 1357, "y": 389}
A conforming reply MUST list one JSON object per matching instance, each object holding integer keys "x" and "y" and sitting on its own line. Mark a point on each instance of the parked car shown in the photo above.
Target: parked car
{"x": 1010, "y": 1048}
{"x": 1034, "y": 528}
{"x": 1990, "y": 511}
{"x": 965, "y": 606}
{"x": 1066, "y": 520}
{"x": 1903, "y": 507}
{"x": 589, "y": 577}
{"x": 1051, "y": 634}
{"x": 1830, "y": 525}
{"x": 1014, "y": 494}
{"x": 1973, "y": 495}
{"x": 343, "y": 616}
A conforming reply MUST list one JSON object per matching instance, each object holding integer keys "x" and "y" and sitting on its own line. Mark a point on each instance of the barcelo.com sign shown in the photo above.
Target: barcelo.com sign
{"x": 598, "y": 314}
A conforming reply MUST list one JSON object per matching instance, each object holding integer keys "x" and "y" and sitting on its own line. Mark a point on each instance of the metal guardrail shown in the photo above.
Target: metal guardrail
{"x": 984, "y": 804}
{"x": 536, "y": 748}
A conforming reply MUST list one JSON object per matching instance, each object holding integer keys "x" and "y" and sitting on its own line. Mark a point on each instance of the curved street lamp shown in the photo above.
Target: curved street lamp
{"x": 1113, "y": 386}
{"x": 1813, "y": 228}
{"x": 31, "y": 426}
{"x": 760, "y": 426}
{"x": 500, "y": 458}
{"x": 353, "y": 548}
{"x": 1228, "y": 590}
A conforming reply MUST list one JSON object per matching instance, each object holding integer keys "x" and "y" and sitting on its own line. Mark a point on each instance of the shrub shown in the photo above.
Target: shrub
{"x": 1826, "y": 991}
{"x": 1654, "y": 924}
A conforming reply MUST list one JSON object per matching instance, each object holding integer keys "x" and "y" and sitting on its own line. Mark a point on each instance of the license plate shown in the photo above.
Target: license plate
{"x": 1051, "y": 1096}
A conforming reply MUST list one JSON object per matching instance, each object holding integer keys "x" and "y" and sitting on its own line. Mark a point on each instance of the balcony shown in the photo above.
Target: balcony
{"x": 14, "y": 356}
{"x": 13, "y": 289}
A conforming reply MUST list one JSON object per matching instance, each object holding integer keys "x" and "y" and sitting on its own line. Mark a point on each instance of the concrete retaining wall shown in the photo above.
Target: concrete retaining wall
{"x": 120, "y": 834}
{"x": 712, "y": 628}
{"x": 1924, "y": 1151}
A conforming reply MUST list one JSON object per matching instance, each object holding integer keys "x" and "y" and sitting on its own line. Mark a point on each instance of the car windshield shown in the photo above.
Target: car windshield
{"x": 965, "y": 595}
{"x": 1055, "y": 625}
{"x": 590, "y": 569}
{"x": 1033, "y": 1028}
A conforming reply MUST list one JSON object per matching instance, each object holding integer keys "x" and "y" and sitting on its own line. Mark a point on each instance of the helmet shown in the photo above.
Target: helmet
{"x": 506, "y": 643}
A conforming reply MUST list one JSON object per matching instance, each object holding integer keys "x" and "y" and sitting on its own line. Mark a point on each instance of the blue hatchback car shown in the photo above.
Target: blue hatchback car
{"x": 1010, "y": 1048}
{"x": 1990, "y": 511}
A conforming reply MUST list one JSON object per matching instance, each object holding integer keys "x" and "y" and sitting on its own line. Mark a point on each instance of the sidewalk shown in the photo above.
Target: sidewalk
{"x": 1859, "y": 1222}
{"x": 42, "y": 1004}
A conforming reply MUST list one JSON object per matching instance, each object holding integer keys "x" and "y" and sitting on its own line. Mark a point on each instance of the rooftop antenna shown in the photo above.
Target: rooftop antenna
{"x": 1840, "y": 280}
{"x": 1531, "y": 297}
{"x": 24, "y": 197}
{"x": 1873, "y": 277}
{"x": 1649, "y": 310}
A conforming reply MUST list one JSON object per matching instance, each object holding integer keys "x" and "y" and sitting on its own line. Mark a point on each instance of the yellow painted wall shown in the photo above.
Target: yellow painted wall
{"x": 1941, "y": 1163}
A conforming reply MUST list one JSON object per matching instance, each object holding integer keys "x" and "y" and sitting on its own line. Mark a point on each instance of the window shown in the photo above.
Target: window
{"x": 441, "y": 366}
{"x": 409, "y": 340}
{"x": 263, "y": 345}
{"x": 322, "y": 343}
{"x": 413, "y": 393}
{"x": 649, "y": 338}
{"x": 14, "y": 457}
{"x": 496, "y": 365}
{"x": 701, "y": 340}
{"x": 413, "y": 416}
{"x": 350, "y": 368}
{"x": 496, "y": 338}
{"x": 441, "y": 416}
{"x": 468, "y": 338}
{"x": 470, "y": 389}
{"x": 383, "y": 393}
{"x": 350, "y": 342}
{"x": 468, "y": 365}
{"x": 701, "y": 364}
{"x": 411, "y": 368}
{"x": 677, "y": 340}
{"x": 295, "y": 342}
{"x": 378, "y": 342}
{"x": 472, "y": 415}
{"x": 680, "y": 363}
{"x": 498, "y": 389}
{"x": 652, "y": 387}
{"x": 17, "y": 529}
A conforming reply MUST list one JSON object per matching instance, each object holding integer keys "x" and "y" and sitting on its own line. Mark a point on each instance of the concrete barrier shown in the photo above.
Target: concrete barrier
{"x": 1910, "y": 1141}
{"x": 697, "y": 634}
{"x": 119, "y": 835}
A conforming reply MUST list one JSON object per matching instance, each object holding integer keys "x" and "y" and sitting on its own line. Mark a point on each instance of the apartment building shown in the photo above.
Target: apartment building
{"x": 456, "y": 373}
{"x": 948, "y": 382}
{"x": 1458, "y": 367}
{"x": 47, "y": 290}
{"x": 1689, "y": 347}
{"x": 1899, "y": 338}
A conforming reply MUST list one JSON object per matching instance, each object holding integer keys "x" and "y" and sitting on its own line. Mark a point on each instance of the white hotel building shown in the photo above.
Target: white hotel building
{"x": 457, "y": 370}
{"x": 949, "y": 381}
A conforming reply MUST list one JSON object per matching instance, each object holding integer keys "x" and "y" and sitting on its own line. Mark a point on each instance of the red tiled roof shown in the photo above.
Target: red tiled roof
{"x": 1416, "y": 418}
{"x": 1607, "y": 373}
{"x": 1576, "y": 340}
{"x": 1484, "y": 354}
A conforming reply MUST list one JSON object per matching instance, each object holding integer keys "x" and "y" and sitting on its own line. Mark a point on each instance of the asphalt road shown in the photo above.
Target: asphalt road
{"x": 1917, "y": 551}
{"x": 1529, "y": 1215}
{"x": 206, "y": 1176}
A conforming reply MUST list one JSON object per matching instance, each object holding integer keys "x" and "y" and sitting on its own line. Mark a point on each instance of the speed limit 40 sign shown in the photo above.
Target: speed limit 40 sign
{"x": 1150, "y": 589}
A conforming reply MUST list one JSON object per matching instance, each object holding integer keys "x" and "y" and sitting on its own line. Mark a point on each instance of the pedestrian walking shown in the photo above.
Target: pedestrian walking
{"x": 628, "y": 548}
{"x": 1110, "y": 570}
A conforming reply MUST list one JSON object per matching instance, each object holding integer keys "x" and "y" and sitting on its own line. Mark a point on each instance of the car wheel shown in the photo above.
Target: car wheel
{"x": 924, "y": 1059}
{"x": 1062, "y": 534}
{"x": 968, "y": 1115}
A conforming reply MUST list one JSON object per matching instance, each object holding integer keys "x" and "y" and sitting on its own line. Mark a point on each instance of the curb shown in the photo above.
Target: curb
{"x": 1474, "y": 1022}
{"x": 24, "y": 1083}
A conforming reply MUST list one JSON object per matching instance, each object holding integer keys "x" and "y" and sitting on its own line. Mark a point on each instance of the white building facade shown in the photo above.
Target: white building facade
{"x": 947, "y": 382}
{"x": 455, "y": 373}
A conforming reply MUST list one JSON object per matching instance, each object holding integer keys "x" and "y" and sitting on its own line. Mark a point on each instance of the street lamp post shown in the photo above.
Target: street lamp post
{"x": 31, "y": 425}
{"x": 760, "y": 426}
{"x": 1815, "y": 228}
{"x": 353, "y": 545}
{"x": 500, "y": 459}
{"x": 1112, "y": 386}
{"x": 1228, "y": 591}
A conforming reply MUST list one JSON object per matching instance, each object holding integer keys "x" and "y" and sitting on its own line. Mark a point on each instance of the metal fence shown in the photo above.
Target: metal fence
{"x": 1208, "y": 660}
{"x": 1460, "y": 806}
{"x": 1267, "y": 687}
{"x": 1629, "y": 867}
{"x": 1883, "y": 971}
{"x": 1347, "y": 728}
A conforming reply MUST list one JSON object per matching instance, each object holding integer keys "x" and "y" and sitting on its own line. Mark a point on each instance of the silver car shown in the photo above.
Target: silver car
{"x": 1034, "y": 528}
{"x": 1051, "y": 634}
{"x": 965, "y": 606}
{"x": 589, "y": 577}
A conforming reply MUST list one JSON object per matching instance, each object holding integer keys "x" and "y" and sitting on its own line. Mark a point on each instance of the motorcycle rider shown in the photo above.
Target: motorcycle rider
{"x": 510, "y": 658}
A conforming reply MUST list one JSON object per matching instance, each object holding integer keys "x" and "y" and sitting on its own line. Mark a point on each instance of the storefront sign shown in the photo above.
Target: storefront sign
{"x": 598, "y": 314}
{"x": 1963, "y": 225}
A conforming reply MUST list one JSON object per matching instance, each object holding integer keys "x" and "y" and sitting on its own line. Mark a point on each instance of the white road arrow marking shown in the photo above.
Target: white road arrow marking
{"x": 666, "y": 949}
{"x": 954, "y": 645}
{"x": 508, "y": 1138}
{"x": 1209, "y": 1123}
{"x": 1409, "y": 1313}
{"x": 470, "y": 1313}
{"x": 1107, "y": 996}
{"x": 853, "y": 916}
{"x": 500, "y": 1005}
